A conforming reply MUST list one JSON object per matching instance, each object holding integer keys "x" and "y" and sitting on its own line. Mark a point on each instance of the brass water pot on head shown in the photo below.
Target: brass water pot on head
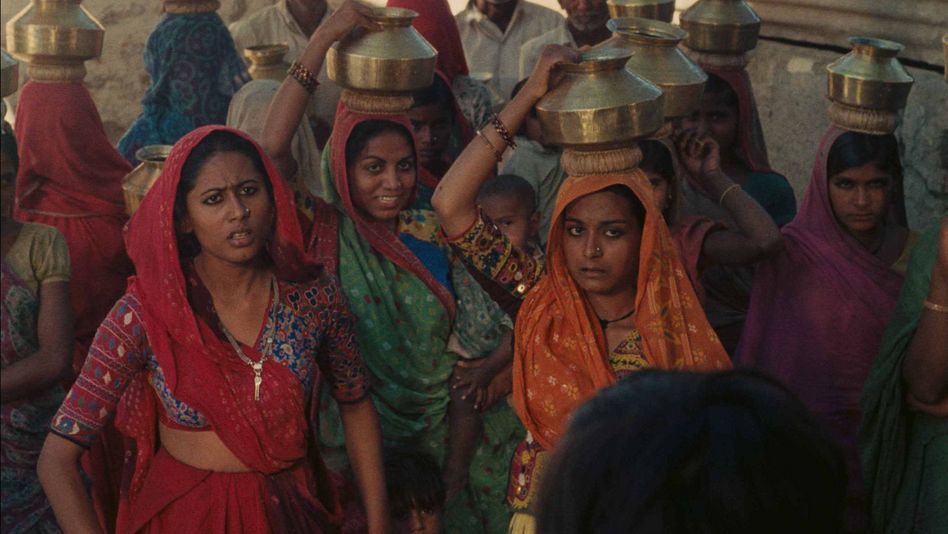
{"x": 870, "y": 76}
{"x": 136, "y": 183}
{"x": 657, "y": 58}
{"x": 663, "y": 10}
{"x": 55, "y": 37}
{"x": 9, "y": 75}
{"x": 721, "y": 26}
{"x": 396, "y": 59}
{"x": 266, "y": 61}
{"x": 598, "y": 104}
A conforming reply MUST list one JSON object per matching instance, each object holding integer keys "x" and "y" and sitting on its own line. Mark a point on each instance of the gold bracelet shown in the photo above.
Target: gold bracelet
{"x": 940, "y": 308}
{"x": 490, "y": 145}
{"x": 303, "y": 76}
{"x": 503, "y": 131}
{"x": 726, "y": 191}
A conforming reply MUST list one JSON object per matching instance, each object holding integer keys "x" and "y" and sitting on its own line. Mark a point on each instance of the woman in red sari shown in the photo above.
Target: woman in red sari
{"x": 211, "y": 361}
{"x": 70, "y": 178}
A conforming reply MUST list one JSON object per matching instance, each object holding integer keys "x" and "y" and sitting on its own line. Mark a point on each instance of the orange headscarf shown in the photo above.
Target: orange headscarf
{"x": 561, "y": 353}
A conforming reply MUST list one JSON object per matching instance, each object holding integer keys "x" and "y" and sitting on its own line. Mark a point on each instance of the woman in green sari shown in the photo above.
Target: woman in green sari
{"x": 905, "y": 402}
{"x": 396, "y": 272}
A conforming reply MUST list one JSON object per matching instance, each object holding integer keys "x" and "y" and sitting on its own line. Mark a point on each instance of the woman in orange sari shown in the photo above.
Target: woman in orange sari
{"x": 614, "y": 298}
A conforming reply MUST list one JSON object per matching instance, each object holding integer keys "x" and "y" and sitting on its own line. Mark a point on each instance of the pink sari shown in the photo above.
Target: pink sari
{"x": 816, "y": 318}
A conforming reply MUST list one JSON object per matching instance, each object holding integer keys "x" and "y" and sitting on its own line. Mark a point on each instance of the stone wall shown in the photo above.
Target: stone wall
{"x": 789, "y": 79}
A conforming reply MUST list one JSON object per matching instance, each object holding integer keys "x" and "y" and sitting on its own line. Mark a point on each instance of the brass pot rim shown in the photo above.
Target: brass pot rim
{"x": 392, "y": 16}
{"x": 638, "y": 2}
{"x": 598, "y": 60}
{"x": 263, "y": 52}
{"x": 153, "y": 153}
{"x": 875, "y": 47}
{"x": 647, "y": 31}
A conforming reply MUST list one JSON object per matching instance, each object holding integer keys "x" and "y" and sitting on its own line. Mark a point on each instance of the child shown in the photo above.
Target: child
{"x": 539, "y": 164}
{"x": 416, "y": 496}
{"x": 483, "y": 337}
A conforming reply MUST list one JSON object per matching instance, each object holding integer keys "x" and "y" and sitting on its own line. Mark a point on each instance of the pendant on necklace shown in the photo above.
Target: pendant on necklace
{"x": 257, "y": 379}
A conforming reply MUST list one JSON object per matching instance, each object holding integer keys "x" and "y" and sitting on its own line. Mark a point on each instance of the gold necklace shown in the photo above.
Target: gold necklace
{"x": 257, "y": 366}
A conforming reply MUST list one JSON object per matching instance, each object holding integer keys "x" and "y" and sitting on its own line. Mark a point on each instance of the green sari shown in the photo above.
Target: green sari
{"x": 904, "y": 452}
{"x": 405, "y": 317}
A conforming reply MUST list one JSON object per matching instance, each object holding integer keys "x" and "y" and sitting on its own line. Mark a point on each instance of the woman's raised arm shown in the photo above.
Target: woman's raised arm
{"x": 289, "y": 104}
{"x": 455, "y": 197}
{"x": 756, "y": 235}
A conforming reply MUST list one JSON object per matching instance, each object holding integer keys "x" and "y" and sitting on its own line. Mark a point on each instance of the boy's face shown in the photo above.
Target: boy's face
{"x": 513, "y": 219}
{"x": 419, "y": 522}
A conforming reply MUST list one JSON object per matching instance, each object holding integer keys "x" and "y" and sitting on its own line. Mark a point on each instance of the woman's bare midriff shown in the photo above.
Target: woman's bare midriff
{"x": 201, "y": 449}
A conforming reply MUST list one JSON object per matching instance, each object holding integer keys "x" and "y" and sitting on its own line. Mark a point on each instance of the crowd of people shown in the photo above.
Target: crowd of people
{"x": 324, "y": 319}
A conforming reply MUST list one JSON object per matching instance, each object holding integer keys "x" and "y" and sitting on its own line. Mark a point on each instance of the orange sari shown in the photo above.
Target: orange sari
{"x": 561, "y": 354}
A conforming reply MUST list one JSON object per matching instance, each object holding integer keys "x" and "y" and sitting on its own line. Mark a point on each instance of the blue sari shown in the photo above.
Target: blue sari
{"x": 195, "y": 70}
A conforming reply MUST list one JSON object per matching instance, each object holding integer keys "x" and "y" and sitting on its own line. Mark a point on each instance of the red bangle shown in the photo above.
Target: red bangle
{"x": 303, "y": 76}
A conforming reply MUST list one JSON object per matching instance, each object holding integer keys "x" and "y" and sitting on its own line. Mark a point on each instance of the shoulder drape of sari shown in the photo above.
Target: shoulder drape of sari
{"x": 194, "y": 70}
{"x": 817, "y": 313}
{"x": 269, "y": 436}
{"x": 561, "y": 358}
{"x": 23, "y": 423}
{"x": 904, "y": 452}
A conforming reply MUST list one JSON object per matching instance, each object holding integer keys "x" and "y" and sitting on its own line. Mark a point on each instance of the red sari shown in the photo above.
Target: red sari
{"x": 288, "y": 490}
{"x": 70, "y": 178}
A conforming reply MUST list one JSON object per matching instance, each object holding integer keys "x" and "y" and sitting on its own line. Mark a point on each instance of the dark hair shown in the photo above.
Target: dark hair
{"x": 214, "y": 143}
{"x": 638, "y": 210}
{"x": 367, "y": 130}
{"x": 413, "y": 482}
{"x": 510, "y": 185}
{"x": 436, "y": 93}
{"x": 716, "y": 85}
{"x": 658, "y": 159}
{"x": 684, "y": 452}
{"x": 9, "y": 146}
{"x": 853, "y": 149}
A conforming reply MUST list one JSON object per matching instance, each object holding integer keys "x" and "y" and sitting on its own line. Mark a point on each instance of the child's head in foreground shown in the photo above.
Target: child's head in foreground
{"x": 415, "y": 492}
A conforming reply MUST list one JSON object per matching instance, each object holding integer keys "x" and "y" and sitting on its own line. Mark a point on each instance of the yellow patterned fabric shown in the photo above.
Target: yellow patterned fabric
{"x": 39, "y": 255}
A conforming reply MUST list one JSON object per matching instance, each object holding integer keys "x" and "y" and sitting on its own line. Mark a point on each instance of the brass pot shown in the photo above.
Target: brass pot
{"x": 9, "y": 75}
{"x": 870, "y": 76}
{"x": 55, "y": 37}
{"x": 396, "y": 59}
{"x": 663, "y": 10}
{"x": 136, "y": 184}
{"x": 721, "y": 26}
{"x": 266, "y": 61}
{"x": 598, "y": 104}
{"x": 657, "y": 58}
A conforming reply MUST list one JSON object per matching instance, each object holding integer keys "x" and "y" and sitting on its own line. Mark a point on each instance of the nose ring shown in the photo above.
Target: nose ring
{"x": 246, "y": 211}
{"x": 598, "y": 251}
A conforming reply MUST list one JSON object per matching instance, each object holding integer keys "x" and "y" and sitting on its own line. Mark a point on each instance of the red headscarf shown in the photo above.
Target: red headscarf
{"x": 269, "y": 435}
{"x": 68, "y": 167}
{"x": 437, "y": 25}
{"x": 561, "y": 354}
{"x": 378, "y": 234}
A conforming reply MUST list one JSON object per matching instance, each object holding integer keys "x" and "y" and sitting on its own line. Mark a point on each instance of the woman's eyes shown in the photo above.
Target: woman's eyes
{"x": 406, "y": 165}
{"x": 213, "y": 199}
{"x": 249, "y": 190}
{"x": 374, "y": 168}
{"x": 612, "y": 232}
{"x": 574, "y": 231}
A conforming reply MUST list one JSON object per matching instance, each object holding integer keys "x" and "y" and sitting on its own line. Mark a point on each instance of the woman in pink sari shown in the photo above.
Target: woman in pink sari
{"x": 818, "y": 310}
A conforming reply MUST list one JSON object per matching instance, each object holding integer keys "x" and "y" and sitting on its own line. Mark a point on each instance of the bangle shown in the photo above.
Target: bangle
{"x": 490, "y": 145}
{"x": 303, "y": 76}
{"x": 503, "y": 131}
{"x": 940, "y": 308}
{"x": 726, "y": 191}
